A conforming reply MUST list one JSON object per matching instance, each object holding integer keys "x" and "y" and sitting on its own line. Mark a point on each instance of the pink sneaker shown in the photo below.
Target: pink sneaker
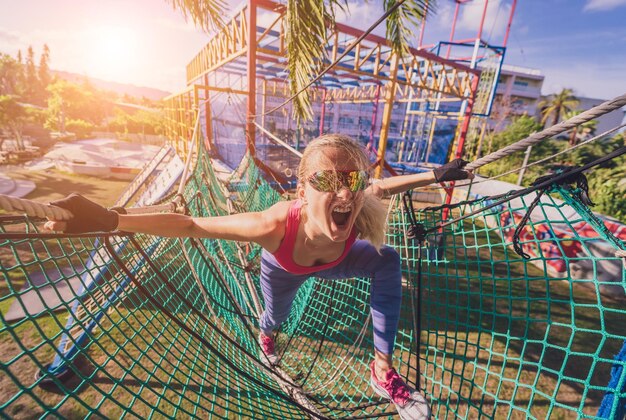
{"x": 267, "y": 349}
{"x": 411, "y": 405}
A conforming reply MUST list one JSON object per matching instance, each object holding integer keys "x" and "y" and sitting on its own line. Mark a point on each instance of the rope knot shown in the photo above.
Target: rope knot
{"x": 579, "y": 179}
{"x": 581, "y": 192}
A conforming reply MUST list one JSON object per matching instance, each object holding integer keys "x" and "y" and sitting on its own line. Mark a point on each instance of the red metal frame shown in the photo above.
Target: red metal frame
{"x": 252, "y": 45}
{"x": 370, "y": 65}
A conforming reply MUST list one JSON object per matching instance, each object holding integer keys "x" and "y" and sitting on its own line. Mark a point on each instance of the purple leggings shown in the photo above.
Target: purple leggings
{"x": 279, "y": 289}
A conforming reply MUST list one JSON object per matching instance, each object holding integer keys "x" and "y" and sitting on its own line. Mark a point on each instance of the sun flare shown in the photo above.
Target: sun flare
{"x": 113, "y": 50}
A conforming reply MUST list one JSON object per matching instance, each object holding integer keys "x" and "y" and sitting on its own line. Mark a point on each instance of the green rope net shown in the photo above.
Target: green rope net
{"x": 146, "y": 326}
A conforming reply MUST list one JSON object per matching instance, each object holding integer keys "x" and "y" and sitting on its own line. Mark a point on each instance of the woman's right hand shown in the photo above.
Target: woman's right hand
{"x": 87, "y": 216}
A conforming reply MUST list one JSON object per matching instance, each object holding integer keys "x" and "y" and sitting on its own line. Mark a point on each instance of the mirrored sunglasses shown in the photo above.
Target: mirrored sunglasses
{"x": 332, "y": 181}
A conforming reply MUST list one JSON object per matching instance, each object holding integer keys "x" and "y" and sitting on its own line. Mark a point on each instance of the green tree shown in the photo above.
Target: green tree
{"x": 581, "y": 132}
{"x": 31, "y": 80}
{"x": 595, "y": 150}
{"x": 13, "y": 116}
{"x": 520, "y": 128}
{"x": 556, "y": 105}
{"x": 138, "y": 122}
{"x": 21, "y": 76}
{"x": 10, "y": 70}
{"x": 607, "y": 188}
{"x": 44, "y": 73}
{"x": 81, "y": 128}
{"x": 71, "y": 101}
{"x": 307, "y": 38}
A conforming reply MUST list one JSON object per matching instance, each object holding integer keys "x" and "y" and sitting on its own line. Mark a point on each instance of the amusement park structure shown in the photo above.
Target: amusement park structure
{"x": 506, "y": 310}
{"x": 411, "y": 111}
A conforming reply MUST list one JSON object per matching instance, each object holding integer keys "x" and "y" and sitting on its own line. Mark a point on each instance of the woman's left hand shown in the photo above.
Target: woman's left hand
{"x": 453, "y": 171}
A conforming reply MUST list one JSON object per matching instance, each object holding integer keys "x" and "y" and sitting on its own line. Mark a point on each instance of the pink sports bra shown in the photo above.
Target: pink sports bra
{"x": 284, "y": 253}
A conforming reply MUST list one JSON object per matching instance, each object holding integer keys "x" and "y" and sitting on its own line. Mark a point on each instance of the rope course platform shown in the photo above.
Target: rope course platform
{"x": 168, "y": 327}
{"x": 149, "y": 326}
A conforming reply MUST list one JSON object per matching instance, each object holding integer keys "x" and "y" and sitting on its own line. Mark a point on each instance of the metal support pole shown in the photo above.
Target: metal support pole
{"x": 374, "y": 118}
{"x": 452, "y": 29}
{"x": 263, "y": 104}
{"x": 250, "y": 127}
{"x": 523, "y": 168}
{"x": 387, "y": 112}
{"x": 208, "y": 122}
{"x": 422, "y": 27}
{"x": 298, "y": 137}
{"x": 323, "y": 113}
{"x": 508, "y": 26}
{"x": 405, "y": 131}
{"x": 462, "y": 135}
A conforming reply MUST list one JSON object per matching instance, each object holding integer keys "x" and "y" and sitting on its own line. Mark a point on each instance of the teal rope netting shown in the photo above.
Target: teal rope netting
{"x": 167, "y": 327}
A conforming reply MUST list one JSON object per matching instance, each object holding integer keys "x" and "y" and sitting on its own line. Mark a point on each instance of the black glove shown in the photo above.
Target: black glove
{"x": 451, "y": 171}
{"x": 88, "y": 216}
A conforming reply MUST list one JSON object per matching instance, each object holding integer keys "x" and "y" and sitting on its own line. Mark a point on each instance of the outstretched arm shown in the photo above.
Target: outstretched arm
{"x": 260, "y": 227}
{"x": 451, "y": 171}
{"x": 238, "y": 227}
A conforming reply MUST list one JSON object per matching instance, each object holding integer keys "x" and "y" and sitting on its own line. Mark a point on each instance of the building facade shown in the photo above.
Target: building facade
{"x": 518, "y": 93}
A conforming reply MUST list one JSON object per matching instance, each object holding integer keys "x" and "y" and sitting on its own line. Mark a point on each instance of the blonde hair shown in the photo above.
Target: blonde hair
{"x": 371, "y": 222}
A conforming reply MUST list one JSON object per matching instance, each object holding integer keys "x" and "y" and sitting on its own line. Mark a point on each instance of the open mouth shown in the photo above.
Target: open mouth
{"x": 341, "y": 215}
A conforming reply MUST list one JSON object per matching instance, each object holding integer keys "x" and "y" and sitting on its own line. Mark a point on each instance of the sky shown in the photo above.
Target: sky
{"x": 577, "y": 44}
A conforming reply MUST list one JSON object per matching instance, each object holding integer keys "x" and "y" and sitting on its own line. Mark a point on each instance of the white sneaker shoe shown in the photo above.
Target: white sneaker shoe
{"x": 411, "y": 405}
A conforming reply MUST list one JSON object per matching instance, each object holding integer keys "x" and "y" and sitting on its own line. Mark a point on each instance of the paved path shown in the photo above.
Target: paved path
{"x": 15, "y": 187}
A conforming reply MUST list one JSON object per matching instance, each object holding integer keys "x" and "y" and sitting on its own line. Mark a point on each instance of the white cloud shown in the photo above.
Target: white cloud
{"x": 603, "y": 5}
{"x": 496, "y": 18}
{"x": 362, "y": 15}
{"x": 11, "y": 41}
{"x": 586, "y": 79}
{"x": 8, "y": 36}
{"x": 444, "y": 14}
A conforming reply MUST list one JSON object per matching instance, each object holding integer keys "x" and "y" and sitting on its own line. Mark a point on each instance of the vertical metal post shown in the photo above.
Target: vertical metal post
{"x": 298, "y": 138}
{"x": 522, "y": 170}
{"x": 422, "y": 27}
{"x": 508, "y": 26}
{"x": 250, "y": 127}
{"x": 452, "y": 29}
{"x": 323, "y": 113}
{"x": 263, "y": 104}
{"x": 479, "y": 149}
{"x": 374, "y": 117}
{"x": 405, "y": 132}
{"x": 208, "y": 123}
{"x": 462, "y": 135}
{"x": 482, "y": 22}
{"x": 468, "y": 104}
{"x": 467, "y": 118}
{"x": 387, "y": 112}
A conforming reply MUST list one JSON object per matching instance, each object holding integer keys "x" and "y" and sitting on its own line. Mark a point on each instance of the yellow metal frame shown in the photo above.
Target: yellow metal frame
{"x": 372, "y": 64}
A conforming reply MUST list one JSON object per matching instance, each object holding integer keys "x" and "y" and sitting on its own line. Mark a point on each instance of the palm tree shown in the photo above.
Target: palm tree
{"x": 556, "y": 105}
{"x": 306, "y": 35}
{"x": 581, "y": 132}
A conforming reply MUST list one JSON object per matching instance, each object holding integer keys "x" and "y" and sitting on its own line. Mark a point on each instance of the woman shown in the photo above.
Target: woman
{"x": 334, "y": 229}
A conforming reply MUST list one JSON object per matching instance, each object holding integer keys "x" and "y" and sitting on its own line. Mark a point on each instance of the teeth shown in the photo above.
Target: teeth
{"x": 342, "y": 209}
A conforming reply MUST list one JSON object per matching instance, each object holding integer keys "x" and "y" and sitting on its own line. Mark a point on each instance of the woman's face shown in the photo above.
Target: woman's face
{"x": 331, "y": 213}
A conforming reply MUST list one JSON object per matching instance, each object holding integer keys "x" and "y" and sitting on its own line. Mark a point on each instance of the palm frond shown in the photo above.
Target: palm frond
{"x": 306, "y": 48}
{"x": 402, "y": 21}
{"x": 206, "y": 14}
{"x": 556, "y": 104}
